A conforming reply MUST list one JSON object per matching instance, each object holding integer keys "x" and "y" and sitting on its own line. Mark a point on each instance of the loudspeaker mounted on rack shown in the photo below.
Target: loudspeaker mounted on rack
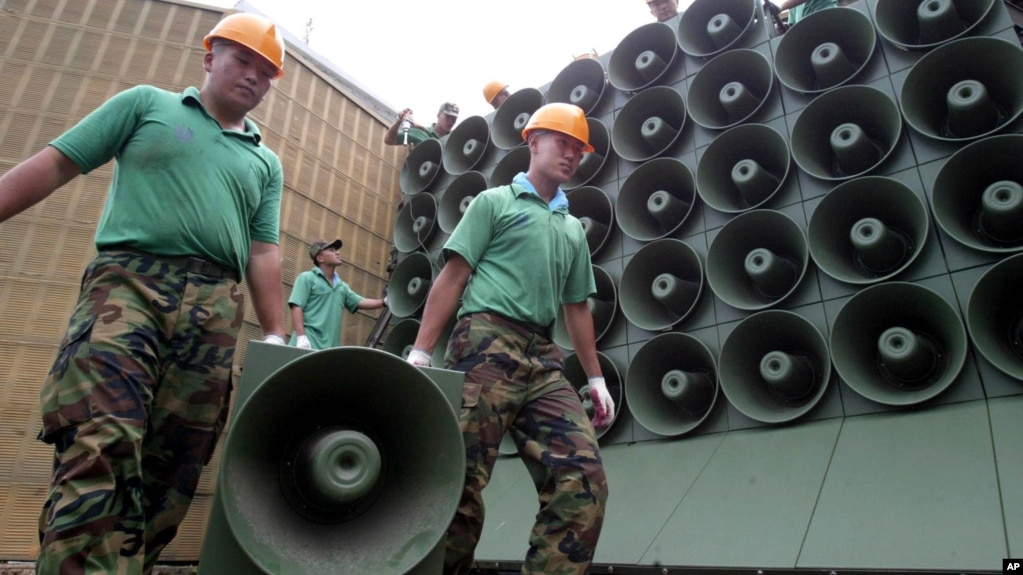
{"x": 457, "y": 197}
{"x": 649, "y": 124}
{"x": 709, "y": 27}
{"x": 757, "y": 259}
{"x": 730, "y": 89}
{"x": 582, "y": 83}
{"x": 603, "y": 306}
{"x": 400, "y": 337}
{"x": 898, "y": 343}
{"x": 513, "y": 115}
{"x": 467, "y": 145}
{"x": 655, "y": 200}
{"x": 994, "y": 316}
{"x": 515, "y": 161}
{"x": 410, "y": 284}
{"x": 825, "y": 50}
{"x": 846, "y": 132}
{"x": 867, "y": 230}
{"x": 643, "y": 58}
{"x": 421, "y": 167}
{"x": 743, "y": 168}
{"x": 672, "y": 384}
{"x": 592, "y": 163}
{"x": 774, "y": 366}
{"x": 416, "y": 223}
{"x": 595, "y": 212}
{"x": 661, "y": 285}
{"x": 928, "y": 24}
{"x": 575, "y": 374}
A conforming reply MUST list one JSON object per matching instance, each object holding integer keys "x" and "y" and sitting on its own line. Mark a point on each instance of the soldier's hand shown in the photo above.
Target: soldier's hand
{"x": 603, "y": 403}
{"x": 419, "y": 358}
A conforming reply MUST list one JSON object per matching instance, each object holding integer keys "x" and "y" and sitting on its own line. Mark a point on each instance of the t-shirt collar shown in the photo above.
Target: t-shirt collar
{"x": 191, "y": 96}
{"x": 558, "y": 202}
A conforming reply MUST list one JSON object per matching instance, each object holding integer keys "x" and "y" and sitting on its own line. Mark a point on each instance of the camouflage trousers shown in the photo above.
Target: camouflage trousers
{"x": 133, "y": 406}
{"x": 514, "y": 381}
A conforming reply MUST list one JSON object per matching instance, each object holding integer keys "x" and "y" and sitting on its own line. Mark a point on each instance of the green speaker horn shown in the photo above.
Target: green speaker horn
{"x": 409, "y": 284}
{"x": 467, "y": 145}
{"x": 994, "y": 316}
{"x": 709, "y": 27}
{"x": 929, "y": 23}
{"x": 649, "y": 124}
{"x": 592, "y": 163}
{"x": 774, "y": 366}
{"x": 415, "y": 223}
{"x": 643, "y": 57}
{"x": 400, "y": 337}
{"x": 743, "y": 168}
{"x": 655, "y": 200}
{"x": 421, "y": 167}
{"x": 977, "y": 196}
{"x": 672, "y": 384}
{"x": 457, "y": 197}
{"x": 577, "y": 377}
{"x": 513, "y": 115}
{"x": 603, "y": 306}
{"x": 757, "y": 259}
{"x": 964, "y": 90}
{"x": 661, "y": 284}
{"x": 582, "y": 83}
{"x": 898, "y": 343}
{"x": 325, "y": 454}
{"x": 730, "y": 89}
{"x": 846, "y": 132}
{"x": 595, "y": 212}
{"x": 825, "y": 50}
{"x": 868, "y": 230}
{"x": 515, "y": 161}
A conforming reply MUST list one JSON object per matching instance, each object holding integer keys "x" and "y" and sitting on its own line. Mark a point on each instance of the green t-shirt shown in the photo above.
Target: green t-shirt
{"x": 527, "y": 258}
{"x": 182, "y": 185}
{"x": 797, "y": 13}
{"x": 321, "y": 305}
{"x": 415, "y": 135}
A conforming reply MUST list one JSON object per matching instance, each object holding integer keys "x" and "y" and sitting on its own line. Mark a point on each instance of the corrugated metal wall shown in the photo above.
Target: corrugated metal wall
{"x": 59, "y": 59}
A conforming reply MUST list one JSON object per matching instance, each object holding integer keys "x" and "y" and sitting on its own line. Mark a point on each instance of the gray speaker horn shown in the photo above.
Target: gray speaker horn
{"x": 595, "y": 212}
{"x": 709, "y": 27}
{"x": 655, "y": 200}
{"x": 467, "y": 145}
{"x": 400, "y": 337}
{"x": 603, "y": 307}
{"x": 592, "y": 163}
{"x": 868, "y": 230}
{"x": 643, "y": 57}
{"x": 774, "y": 366}
{"x": 457, "y": 197}
{"x": 410, "y": 284}
{"x": 416, "y": 223}
{"x": 661, "y": 284}
{"x": 994, "y": 316}
{"x": 513, "y": 115}
{"x": 515, "y": 161}
{"x": 743, "y": 168}
{"x": 964, "y": 90}
{"x": 649, "y": 124}
{"x": 582, "y": 83}
{"x": 575, "y": 374}
{"x": 757, "y": 259}
{"x": 846, "y": 132}
{"x": 898, "y": 343}
{"x": 977, "y": 196}
{"x": 672, "y": 384}
{"x": 929, "y": 23}
{"x": 421, "y": 167}
{"x": 825, "y": 50}
{"x": 730, "y": 89}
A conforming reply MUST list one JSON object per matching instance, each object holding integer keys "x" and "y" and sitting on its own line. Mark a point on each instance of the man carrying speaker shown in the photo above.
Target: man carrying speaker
{"x": 140, "y": 387}
{"x": 317, "y": 298}
{"x": 405, "y": 132}
{"x": 514, "y": 258}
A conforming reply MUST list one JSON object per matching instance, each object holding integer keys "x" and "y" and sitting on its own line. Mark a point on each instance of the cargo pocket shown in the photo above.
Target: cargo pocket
{"x": 67, "y": 401}
{"x": 470, "y": 422}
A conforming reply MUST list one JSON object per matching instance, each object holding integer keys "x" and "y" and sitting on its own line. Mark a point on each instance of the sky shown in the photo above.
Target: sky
{"x": 419, "y": 54}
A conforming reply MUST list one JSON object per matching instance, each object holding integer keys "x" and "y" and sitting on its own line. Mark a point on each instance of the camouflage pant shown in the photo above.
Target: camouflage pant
{"x": 514, "y": 381}
{"x": 133, "y": 406}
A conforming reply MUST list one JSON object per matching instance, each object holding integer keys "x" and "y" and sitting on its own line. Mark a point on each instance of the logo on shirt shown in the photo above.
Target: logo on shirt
{"x": 183, "y": 133}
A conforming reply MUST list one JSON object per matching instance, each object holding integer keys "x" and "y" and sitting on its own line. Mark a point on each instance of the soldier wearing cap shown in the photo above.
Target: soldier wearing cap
{"x": 318, "y": 296}
{"x": 447, "y": 115}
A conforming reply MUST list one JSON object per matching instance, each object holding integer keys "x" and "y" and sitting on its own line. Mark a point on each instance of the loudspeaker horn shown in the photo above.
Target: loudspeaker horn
{"x": 649, "y": 124}
{"x": 757, "y": 259}
{"x": 466, "y": 146}
{"x": 595, "y": 212}
{"x": 421, "y": 167}
{"x": 825, "y": 50}
{"x": 926, "y": 25}
{"x": 582, "y": 83}
{"x": 977, "y": 196}
{"x": 743, "y": 168}
{"x": 661, "y": 285}
{"x": 774, "y": 366}
{"x": 730, "y": 89}
{"x": 575, "y": 374}
{"x": 515, "y": 161}
{"x": 592, "y": 163}
{"x": 324, "y": 455}
{"x": 994, "y": 316}
{"x": 964, "y": 90}
{"x": 409, "y": 285}
{"x": 898, "y": 343}
{"x": 416, "y": 223}
{"x": 672, "y": 384}
{"x": 513, "y": 115}
{"x": 400, "y": 337}
{"x": 643, "y": 57}
{"x": 846, "y": 132}
{"x": 603, "y": 306}
{"x": 655, "y": 200}
{"x": 867, "y": 230}
{"x": 457, "y": 197}
{"x": 709, "y": 27}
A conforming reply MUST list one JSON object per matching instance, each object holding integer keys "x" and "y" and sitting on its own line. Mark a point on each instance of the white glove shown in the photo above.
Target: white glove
{"x": 274, "y": 339}
{"x": 418, "y": 358}
{"x": 603, "y": 404}
{"x": 385, "y": 302}
{"x": 302, "y": 341}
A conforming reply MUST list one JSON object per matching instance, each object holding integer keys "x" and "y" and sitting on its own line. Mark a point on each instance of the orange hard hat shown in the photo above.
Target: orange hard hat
{"x": 560, "y": 117}
{"x": 492, "y": 89}
{"x": 253, "y": 31}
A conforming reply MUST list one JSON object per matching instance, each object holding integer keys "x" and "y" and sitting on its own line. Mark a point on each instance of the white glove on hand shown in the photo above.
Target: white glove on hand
{"x": 274, "y": 339}
{"x": 385, "y": 302}
{"x": 603, "y": 404}
{"x": 418, "y": 358}
{"x": 302, "y": 341}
